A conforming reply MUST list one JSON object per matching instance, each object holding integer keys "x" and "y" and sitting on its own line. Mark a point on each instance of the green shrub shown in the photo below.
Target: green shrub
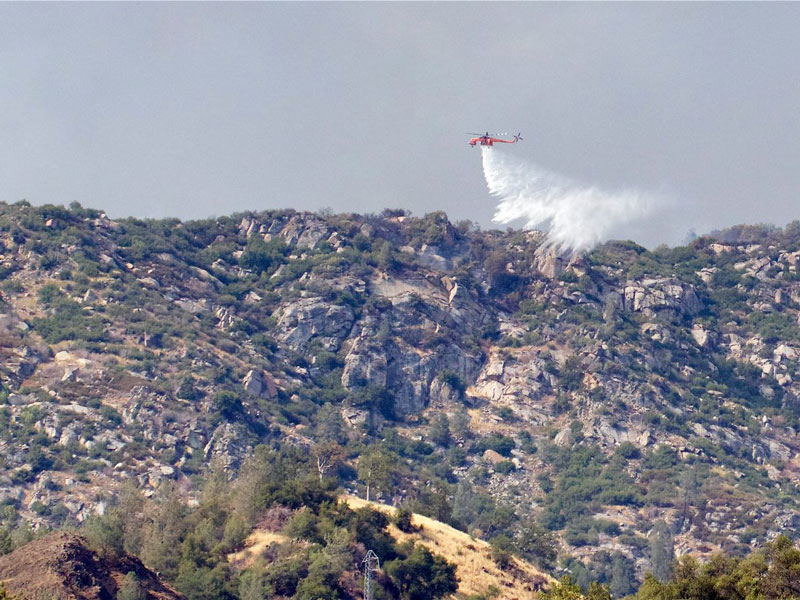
{"x": 131, "y": 588}
{"x": 501, "y": 551}
{"x": 227, "y": 404}
{"x": 422, "y": 575}
{"x": 260, "y": 256}
{"x": 628, "y": 451}
{"x": 403, "y": 520}
{"x": 505, "y": 467}
{"x": 453, "y": 380}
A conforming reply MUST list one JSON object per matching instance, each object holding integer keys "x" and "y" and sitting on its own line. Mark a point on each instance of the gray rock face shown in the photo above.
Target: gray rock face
{"x": 442, "y": 393}
{"x": 259, "y": 384}
{"x": 549, "y": 262}
{"x": 786, "y": 522}
{"x": 312, "y": 235}
{"x": 406, "y": 372}
{"x": 539, "y": 356}
{"x": 664, "y": 294}
{"x": 225, "y": 317}
{"x": 703, "y": 336}
{"x": 312, "y": 318}
{"x": 364, "y": 365}
{"x": 50, "y": 425}
{"x": 18, "y": 360}
{"x": 409, "y": 375}
{"x": 521, "y": 382}
{"x": 393, "y": 349}
{"x": 430, "y": 257}
{"x": 304, "y": 231}
{"x": 70, "y": 434}
{"x": 227, "y": 447}
{"x": 656, "y": 332}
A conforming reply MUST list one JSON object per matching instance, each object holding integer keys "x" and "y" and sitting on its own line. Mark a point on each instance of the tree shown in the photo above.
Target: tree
{"x": 783, "y": 578}
{"x": 259, "y": 256}
{"x": 253, "y": 582}
{"x": 662, "y": 551}
{"x": 368, "y": 526}
{"x": 227, "y": 404}
{"x": 105, "y": 534}
{"x": 571, "y": 374}
{"x": 439, "y": 431}
{"x": 329, "y": 424}
{"x": 689, "y": 489}
{"x": 432, "y": 500}
{"x": 500, "y": 280}
{"x": 374, "y": 469}
{"x": 186, "y": 389}
{"x": 202, "y": 583}
{"x": 422, "y": 575}
{"x": 653, "y": 589}
{"x": 596, "y": 591}
{"x": 303, "y": 526}
{"x": 622, "y": 579}
{"x": 386, "y": 258}
{"x": 501, "y": 548}
{"x": 459, "y": 424}
{"x": 538, "y": 545}
{"x": 161, "y": 540}
{"x": 565, "y": 589}
{"x": 322, "y": 581}
{"x": 131, "y": 588}
{"x": 326, "y": 455}
{"x": 465, "y": 507}
{"x": 690, "y": 581}
{"x": 403, "y": 520}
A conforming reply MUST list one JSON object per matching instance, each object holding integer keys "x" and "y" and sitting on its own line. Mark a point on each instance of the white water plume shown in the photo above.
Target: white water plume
{"x": 577, "y": 217}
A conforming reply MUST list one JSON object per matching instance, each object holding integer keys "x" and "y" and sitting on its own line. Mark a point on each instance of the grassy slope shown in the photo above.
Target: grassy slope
{"x": 475, "y": 569}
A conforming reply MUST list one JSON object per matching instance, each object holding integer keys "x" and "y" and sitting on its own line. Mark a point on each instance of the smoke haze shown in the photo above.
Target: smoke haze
{"x": 576, "y": 216}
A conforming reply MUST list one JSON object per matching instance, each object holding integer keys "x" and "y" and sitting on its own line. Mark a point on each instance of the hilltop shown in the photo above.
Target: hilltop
{"x": 614, "y": 407}
{"x": 62, "y": 567}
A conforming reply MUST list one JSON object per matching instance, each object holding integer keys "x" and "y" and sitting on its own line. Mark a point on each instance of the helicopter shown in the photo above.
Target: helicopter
{"x": 486, "y": 139}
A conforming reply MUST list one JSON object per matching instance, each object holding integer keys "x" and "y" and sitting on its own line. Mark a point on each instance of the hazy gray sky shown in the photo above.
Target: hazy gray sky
{"x": 193, "y": 110}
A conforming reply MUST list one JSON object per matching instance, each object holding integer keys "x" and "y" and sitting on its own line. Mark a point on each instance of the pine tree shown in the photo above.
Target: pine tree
{"x": 131, "y": 588}
{"x": 662, "y": 551}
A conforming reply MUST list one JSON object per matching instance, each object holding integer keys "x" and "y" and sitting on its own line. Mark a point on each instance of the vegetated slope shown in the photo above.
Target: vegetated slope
{"x": 475, "y": 567}
{"x": 476, "y": 571}
{"x": 628, "y": 402}
{"x": 61, "y": 567}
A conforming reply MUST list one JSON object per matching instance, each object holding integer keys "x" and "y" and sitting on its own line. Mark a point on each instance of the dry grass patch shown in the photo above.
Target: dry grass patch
{"x": 475, "y": 569}
{"x": 258, "y": 541}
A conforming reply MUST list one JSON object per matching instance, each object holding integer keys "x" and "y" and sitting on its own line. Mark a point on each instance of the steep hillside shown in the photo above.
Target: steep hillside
{"x": 628, "y": 402}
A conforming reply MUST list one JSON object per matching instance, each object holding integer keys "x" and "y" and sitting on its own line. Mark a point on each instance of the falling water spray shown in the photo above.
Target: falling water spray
{"x": 577, "y": 217}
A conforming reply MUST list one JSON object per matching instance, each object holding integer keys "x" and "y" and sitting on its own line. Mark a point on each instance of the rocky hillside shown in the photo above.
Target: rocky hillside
{"x": 62, "y": 567}
{"x": 627, "y": 402}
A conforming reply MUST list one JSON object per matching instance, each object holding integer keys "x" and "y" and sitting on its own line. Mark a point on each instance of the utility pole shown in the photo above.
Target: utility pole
{"x": 372, "y": 564}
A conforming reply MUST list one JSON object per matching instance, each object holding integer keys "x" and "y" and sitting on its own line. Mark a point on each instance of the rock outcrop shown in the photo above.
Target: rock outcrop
{"x": 652, "y": 296}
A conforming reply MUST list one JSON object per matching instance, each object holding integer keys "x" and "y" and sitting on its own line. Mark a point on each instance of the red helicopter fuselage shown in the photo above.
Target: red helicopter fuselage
{"x": 487, "y": 140}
